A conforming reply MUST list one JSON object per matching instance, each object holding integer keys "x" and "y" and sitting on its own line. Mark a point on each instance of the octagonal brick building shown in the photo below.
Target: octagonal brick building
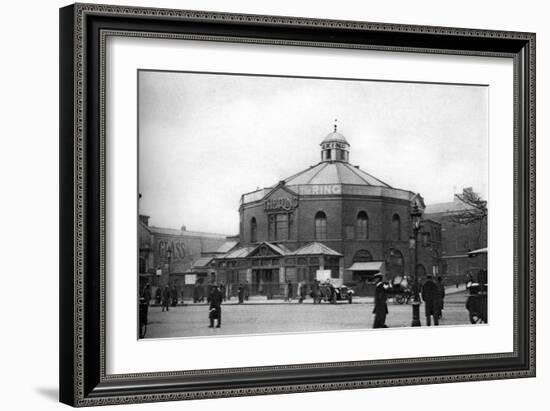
{"x": 332, "y": 218}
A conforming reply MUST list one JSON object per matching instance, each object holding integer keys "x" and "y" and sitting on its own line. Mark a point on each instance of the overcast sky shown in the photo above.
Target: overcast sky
{"x": 206, "y": 139}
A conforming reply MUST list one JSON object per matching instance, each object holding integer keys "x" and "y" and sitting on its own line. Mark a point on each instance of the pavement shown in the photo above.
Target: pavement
{"x": 277, "y": 316}
{"x": 192, "y": 321}
{"x": 262, "y": 300}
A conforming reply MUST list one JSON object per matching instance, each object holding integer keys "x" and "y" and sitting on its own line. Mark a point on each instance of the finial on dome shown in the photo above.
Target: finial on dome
{"x": 335, "y": 124}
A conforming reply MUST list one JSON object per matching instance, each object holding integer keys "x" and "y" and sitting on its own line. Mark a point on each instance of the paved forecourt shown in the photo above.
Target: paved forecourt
{"x": 253, "y": 318}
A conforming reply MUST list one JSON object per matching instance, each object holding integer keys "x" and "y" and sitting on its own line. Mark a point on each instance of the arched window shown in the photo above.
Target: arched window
{"x": 320, "y": 226}
{"x": 396, "y": 227}
{"x": 281, "y": 227}
{"x": 253, "y": 230}
{"x": 395, "y": 262}
{"x": 362, "y": 256}
{"x": 362, "y": 226}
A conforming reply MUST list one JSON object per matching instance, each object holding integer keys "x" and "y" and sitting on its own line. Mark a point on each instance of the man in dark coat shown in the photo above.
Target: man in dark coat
{"x": 174, "y": 295}
{"x": 147, "y": 295}
{"x": 288, "y": 291}
{"x": 316, "y": 292}
{"x": 166, "y": 298}
{"x": 431, "y": 301}
{"x": 215, "y": 312}
{"x": 380, "y": 305}
{"x": 158, "y": 295}
{"x": 241, "y": 294}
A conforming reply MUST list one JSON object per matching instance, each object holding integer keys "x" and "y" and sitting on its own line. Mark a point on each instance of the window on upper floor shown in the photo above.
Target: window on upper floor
{"x": 362, "y": 226}
{"x": 253, "y": 230}
{"x": 396, "y": 227}
{"x": 320, "y": 226}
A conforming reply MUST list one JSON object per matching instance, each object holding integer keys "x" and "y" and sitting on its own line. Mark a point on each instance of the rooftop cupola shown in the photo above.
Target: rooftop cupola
{"x": 335, "y": 147}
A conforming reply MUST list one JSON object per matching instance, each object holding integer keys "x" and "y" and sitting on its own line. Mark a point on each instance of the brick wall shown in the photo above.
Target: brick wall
{"x": 342, "y": 212}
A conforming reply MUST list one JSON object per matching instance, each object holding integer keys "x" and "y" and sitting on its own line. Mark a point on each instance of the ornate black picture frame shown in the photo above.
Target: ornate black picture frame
{"x": 83, "y": 30}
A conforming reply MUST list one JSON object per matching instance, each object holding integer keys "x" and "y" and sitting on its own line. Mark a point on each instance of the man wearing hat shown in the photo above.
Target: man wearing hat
{"x": 431, "y": 301}
{"x": 380, "y": 297}
{"x": 215, "y": 309}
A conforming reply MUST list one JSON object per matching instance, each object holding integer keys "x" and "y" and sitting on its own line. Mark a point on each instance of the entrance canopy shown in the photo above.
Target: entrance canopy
{"x": 367, "y": 266}
{"x": 481, "y": 251}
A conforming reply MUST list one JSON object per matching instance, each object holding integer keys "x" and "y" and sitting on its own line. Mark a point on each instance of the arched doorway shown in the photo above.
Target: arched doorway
{"x": 395, "y": 262}
{"x": 363, "y": 272}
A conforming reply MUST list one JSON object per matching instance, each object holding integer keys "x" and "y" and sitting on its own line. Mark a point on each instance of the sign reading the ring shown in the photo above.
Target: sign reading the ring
{"x": 281, "y": 203}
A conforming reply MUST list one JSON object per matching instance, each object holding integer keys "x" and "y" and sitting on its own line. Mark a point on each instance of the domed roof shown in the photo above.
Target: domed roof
{"x": 335, "y": 136}
{"x": 336, "y": 172}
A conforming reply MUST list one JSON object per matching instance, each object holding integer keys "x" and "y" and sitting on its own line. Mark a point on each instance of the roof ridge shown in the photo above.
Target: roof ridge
{"x": 356, "y": 170}
{"x": 321, "y": 169}
{"x": 339, "y": 177}
{"x": 301, "y": 172}
{"x": 352, "y": 169}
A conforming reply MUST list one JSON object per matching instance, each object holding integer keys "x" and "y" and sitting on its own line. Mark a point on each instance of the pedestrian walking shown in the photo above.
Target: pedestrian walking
{"x": 380, "y": 310}
{"x": 288, "y": 291}
{"x": 209, "y": 289}
{"x": 246, "y": 290}
{"x": 301, "y": 291}
{"x": 215, "y": 309}
{"x": 440, "y": 295}
{"x": 316, "y": 292}
{"x": 196, "y": 293}
{"x": 166, "y": 298}
{"x": 222, "y": 290}
{"x": 174, "y": 295}
{"x": 330, "y": 292}
{"x": 241, "y": 293}
{"x": 147, "y": 294}
{"x": 431, "y": 301}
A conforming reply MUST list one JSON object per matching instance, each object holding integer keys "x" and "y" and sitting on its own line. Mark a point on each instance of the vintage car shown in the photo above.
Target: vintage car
{"x": 333, "y": 293}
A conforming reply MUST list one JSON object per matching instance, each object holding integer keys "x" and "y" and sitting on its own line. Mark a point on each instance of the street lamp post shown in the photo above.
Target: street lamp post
{"x": 416, "y": 215}
{"x": 169, "y": 260}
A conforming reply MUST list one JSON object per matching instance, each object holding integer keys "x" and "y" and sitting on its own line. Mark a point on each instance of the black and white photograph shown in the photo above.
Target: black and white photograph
{"x": 282, "y": 204}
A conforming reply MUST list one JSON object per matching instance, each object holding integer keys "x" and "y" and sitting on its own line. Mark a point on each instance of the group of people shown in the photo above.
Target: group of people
{"x": 243, "y": 292}
{"x": 201, "y": 291}
{"x": 301, "y": 291}
{"x": 433, "y": 295}
{"x": 167, "y": 296}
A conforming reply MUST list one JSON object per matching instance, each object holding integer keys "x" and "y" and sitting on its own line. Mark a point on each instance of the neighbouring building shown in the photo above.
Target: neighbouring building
{"x": 459, "y": 241}
{"x": 331, "y": 220}
{"x": 166, "y": 254}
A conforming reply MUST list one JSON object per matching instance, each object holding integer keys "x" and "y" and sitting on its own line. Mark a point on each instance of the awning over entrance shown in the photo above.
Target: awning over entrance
{"x": 368, "y": 266}
{"x": 477, "y": 252}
